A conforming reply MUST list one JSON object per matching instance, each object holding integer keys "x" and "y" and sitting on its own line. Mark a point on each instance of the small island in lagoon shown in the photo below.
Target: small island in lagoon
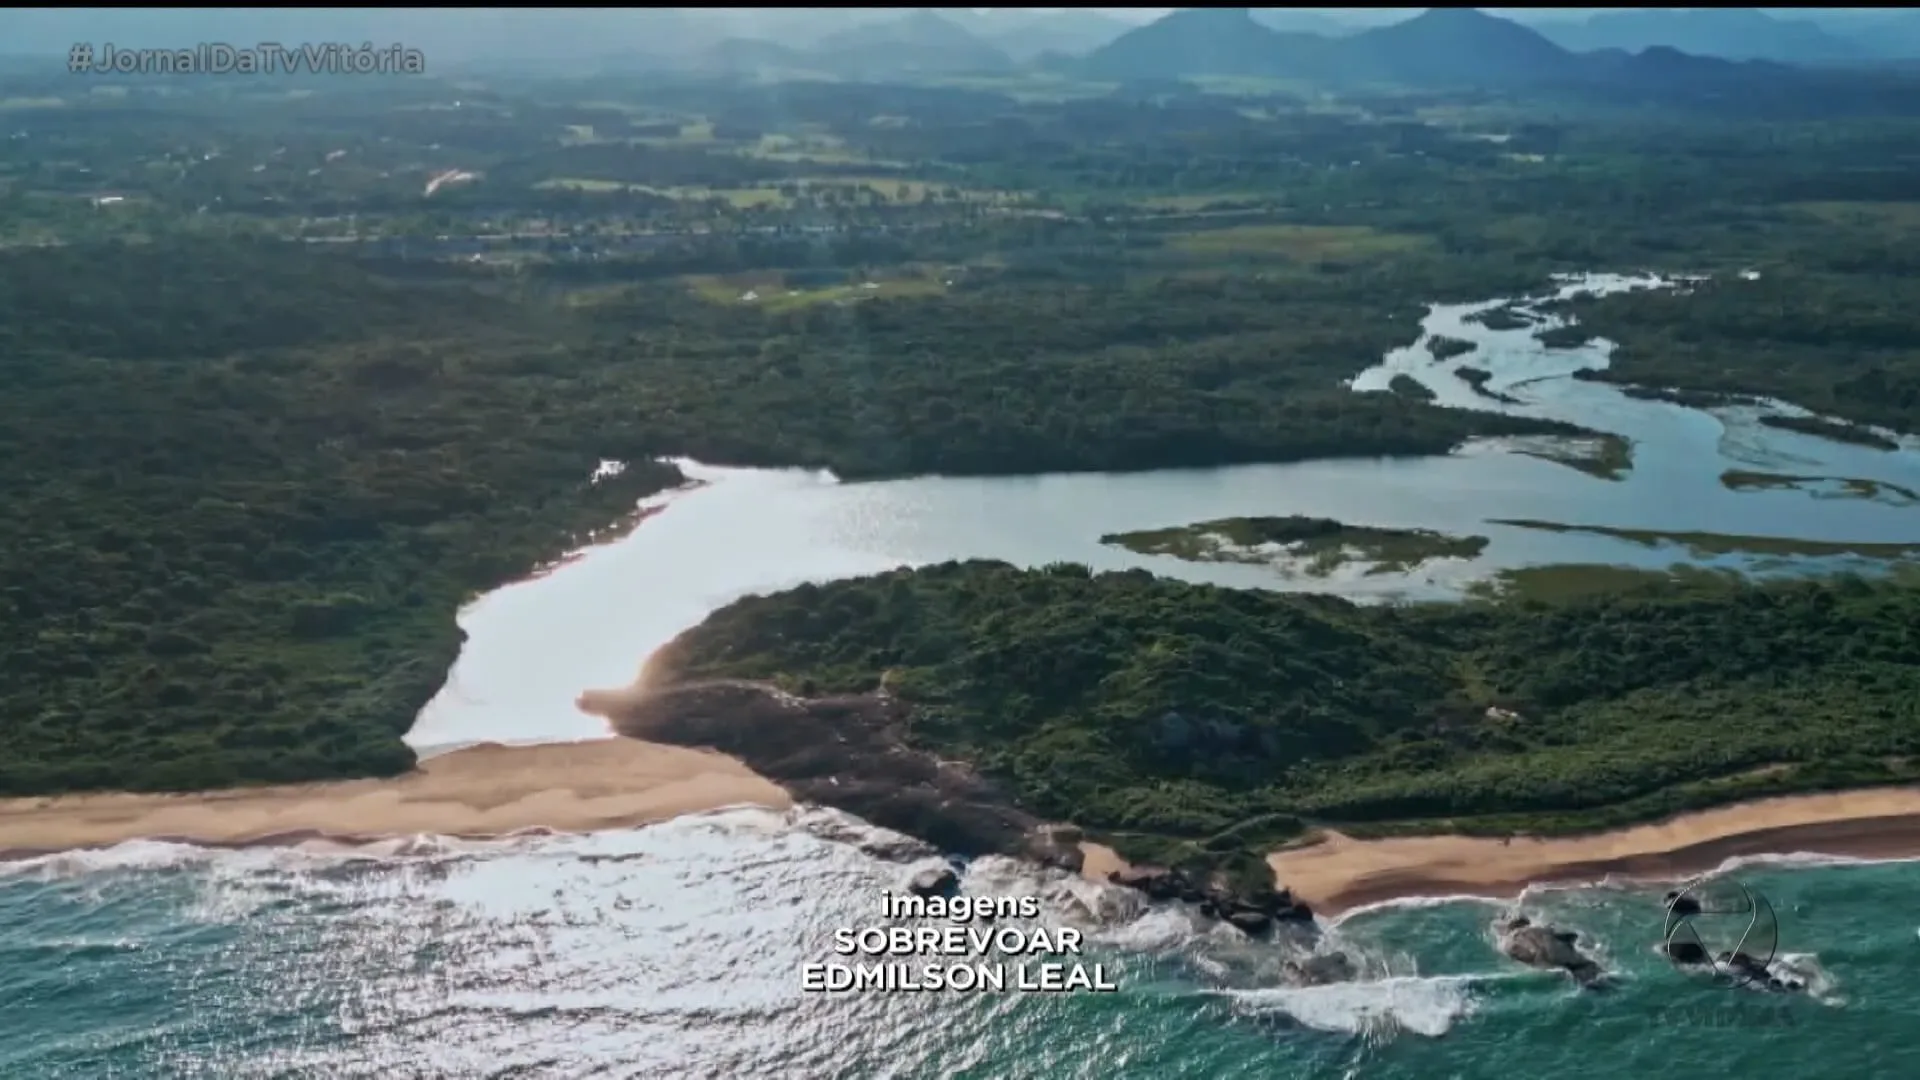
{"x": 1296, "y": 544}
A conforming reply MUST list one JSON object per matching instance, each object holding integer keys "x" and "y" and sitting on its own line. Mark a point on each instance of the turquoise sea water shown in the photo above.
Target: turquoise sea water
{"x": 675, "y": 951}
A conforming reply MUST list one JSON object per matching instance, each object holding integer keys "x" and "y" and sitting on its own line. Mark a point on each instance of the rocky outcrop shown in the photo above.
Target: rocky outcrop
{"x": 1056, "y": 846}
{"x": 844, "y": 751}
{"x": 1686, "y": 952}
{"x": 1680, "y": 905}
{"x": 1751, "y": 971}
{"x": 1546, "y": 947}
{"x": 850, "y": 752}
{"x": 1320, "y": 969}
{"x": 1737, "y": 967}
{"x": 1254, "y": 912}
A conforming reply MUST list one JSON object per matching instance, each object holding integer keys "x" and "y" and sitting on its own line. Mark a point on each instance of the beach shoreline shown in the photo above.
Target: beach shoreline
{"x": 1337, "y": 873}
{"x": 496, "y": 792}
{"x": 488, "y": 791}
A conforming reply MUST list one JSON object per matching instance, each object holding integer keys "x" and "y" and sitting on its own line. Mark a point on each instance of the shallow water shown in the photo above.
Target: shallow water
{"x": 675, "y": 950}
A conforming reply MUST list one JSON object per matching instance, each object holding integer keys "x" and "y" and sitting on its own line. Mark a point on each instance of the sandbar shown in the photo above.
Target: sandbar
{"x": 479, "y": 792}
{"x": 1337, "y": 872}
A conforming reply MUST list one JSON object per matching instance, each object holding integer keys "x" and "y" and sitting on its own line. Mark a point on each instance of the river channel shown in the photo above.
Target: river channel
{"x": 535, "y": 645}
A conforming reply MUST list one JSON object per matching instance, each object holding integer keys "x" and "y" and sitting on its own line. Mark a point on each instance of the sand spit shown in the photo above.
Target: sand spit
{"x": 479, "y": 792}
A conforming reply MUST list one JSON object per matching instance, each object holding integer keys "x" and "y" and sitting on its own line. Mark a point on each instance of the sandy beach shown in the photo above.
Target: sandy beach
{"x": 491, "y": 790}
{"x": 482, "y": 791}
{"x": 1338, "y": 872}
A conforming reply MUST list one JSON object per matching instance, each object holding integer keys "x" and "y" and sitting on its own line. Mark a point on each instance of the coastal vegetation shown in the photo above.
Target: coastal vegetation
{"x": 1845, "y": 487}
{"x": 1313, "y": 546}
{"x": 1194, "y": 724}
{"x": 1831, "y": 334}
{"x": 291, "y": 377}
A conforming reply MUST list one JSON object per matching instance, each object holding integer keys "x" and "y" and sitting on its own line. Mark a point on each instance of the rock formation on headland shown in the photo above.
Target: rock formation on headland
{"x": 1253, "y": 911}
{"x": 844, "y": 751}
{"x": 849, "y": 752}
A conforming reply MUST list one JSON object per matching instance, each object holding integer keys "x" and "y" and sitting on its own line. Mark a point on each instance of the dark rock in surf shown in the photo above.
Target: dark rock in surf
{"x": 1680, "y": 905}
{"x": 1251, "y": 923}
{"x": 1545, "y": 947}
{"x": 1158, "y": 882}
{"x": 1753, "y": 971}
{"x": 940, "y": 881}
{"x": 1057, "y": 846}
{"x": 1254, "y": 911}
{"x": 1686, "y": 952}
{"x": 1321, "y": 969}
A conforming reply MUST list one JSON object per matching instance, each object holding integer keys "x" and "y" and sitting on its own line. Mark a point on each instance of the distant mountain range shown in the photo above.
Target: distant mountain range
{"x": 1728, "y": 33}
{"x": 1440, "y": 47}
{"x": 1435, "y": 46}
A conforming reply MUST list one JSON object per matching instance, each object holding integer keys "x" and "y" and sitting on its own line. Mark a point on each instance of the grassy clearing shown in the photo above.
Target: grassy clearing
{"x": 870, "y": 189}
{"x": 740, "y": 198}
{"x": 581, "y": 184}
{"x": 1189, "y": 203}
{"x": 1251, "y": 86}
{"x": 1303, "y": 243}
{"x": 825, "y": 149}
{"x": 1314, "y": 546}
{"x": 1038, "y": 87}
{"x": 771, "y": 292}
{"x": 1703, "y": 545}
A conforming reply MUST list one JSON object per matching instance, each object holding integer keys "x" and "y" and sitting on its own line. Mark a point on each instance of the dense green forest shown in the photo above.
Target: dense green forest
{"x": 1836, "y": 339}
{"x": 251, "y": 481}
{"x": 289, "y": 376}
{"x": 246, "y": 491}
{"x": 1190, "y": 722}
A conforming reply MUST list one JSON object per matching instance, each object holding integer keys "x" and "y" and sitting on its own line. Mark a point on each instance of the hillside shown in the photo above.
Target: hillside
{"x": 1206, "y": 41}
{"x": 1189, "y": 722}
{"x": 922, "y": 42}
{"x": 1073, "y": 32}
{"x": 1455, "y": 45}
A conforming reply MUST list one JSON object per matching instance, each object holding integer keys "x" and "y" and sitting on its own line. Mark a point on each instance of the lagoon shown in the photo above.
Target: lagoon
{"x": 535, "y": 645}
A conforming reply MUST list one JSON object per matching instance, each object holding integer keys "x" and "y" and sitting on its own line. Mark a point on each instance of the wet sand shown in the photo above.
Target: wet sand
{"x": 1339, "y": 873}
{"x": 478, "y": 792}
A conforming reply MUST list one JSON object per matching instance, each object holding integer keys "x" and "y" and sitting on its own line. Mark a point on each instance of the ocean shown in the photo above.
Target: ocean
{"x": 676, "y": 950}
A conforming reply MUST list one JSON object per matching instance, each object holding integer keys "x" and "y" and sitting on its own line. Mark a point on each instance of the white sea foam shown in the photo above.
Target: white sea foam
{"x": 1408, "y": 903}
{"x": 1423, "y": 1005}
{"x": 1801, "y": 860}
